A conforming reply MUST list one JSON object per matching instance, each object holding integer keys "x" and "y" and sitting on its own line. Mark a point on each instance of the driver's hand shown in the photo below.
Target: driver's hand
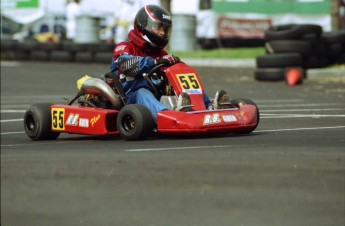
{"x": 167, "y": 60}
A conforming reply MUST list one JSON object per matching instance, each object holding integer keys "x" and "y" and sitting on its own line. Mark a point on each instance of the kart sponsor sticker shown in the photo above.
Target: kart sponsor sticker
{"x": 58, "y": 118}
{"x": 95, "y": 120}
{"x": 72, "y": 119}
{"x": 189, "y": 83}
{"x": 84, "y": 122}
{"x": 120, "y": 48}
{"x": 212, "y": 119}
{"x": 229, "y": 118}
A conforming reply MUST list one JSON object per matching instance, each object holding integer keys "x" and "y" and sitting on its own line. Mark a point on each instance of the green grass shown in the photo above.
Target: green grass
{"x": 228, "y": 53}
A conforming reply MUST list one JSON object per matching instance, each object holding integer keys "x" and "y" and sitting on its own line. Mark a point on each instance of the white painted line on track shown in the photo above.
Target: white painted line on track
{"x": 10, "y": 64}
{"x": 272, "y": 116}
{"x": 299, "y": 129}
{"x": 9, "y": 133}
{"x": 319, "y": 105}
{"x": 228, "y": 146}
{"x": 269, "y": 101}
{"x": 13, "y": 111}
{"x": 183, "y": 148}
{"x": 311, "y": 109}
{"x": 12, "y": 120}
{"x": 38, "y": 143}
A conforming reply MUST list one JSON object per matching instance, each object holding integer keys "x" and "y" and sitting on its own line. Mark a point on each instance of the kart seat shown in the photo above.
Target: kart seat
{"x": 116, "y": 85}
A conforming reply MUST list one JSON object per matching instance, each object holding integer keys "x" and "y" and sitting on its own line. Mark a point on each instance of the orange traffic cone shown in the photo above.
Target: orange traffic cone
{"x": 293, "y": 76}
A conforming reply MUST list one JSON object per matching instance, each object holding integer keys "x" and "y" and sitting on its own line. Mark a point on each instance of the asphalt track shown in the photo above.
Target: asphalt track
{"x": 289, "y": 172}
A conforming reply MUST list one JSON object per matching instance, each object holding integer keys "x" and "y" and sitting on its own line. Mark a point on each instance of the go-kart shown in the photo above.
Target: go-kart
{"x": 100, "y": 108}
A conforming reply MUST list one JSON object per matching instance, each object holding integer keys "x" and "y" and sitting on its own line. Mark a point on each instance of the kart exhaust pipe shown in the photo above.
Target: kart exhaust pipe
{"x": 98, "y": 86}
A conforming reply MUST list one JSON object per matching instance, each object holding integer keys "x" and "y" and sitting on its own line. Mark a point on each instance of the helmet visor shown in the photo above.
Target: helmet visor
{"x": 160, "y": 28}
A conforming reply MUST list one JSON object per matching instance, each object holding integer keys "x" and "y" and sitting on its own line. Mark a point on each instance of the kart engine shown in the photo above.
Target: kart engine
{"x": 97, "y": 93}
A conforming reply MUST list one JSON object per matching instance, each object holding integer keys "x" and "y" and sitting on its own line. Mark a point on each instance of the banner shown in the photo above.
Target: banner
{"x": 244, "y": 28}
{"x": 23, "y": 11}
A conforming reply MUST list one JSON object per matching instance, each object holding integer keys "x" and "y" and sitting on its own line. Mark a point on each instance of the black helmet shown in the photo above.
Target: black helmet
{"x": 153, "y": 17}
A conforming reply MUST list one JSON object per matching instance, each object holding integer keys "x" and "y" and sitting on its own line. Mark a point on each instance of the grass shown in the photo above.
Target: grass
{"x": 228, "y": 53}
{"x": 231, "y": 53}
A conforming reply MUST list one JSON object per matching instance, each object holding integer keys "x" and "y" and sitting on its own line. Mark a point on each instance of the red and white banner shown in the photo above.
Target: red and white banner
{"x": 242, "y": 28}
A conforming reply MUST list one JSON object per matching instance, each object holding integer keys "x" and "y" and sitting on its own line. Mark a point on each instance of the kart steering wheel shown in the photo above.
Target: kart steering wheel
{"x": 148, "y": 76}
{"x": 155, "y": 68}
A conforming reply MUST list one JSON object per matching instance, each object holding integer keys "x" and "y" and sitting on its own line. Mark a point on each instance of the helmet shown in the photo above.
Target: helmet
{"x": 152, "y": 17}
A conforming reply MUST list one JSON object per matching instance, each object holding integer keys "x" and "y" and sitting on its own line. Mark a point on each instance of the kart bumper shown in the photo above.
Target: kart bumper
{"x": 236, "y": 120}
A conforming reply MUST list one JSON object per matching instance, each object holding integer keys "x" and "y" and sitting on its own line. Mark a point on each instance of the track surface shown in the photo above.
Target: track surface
{"x": 290, "y": 171}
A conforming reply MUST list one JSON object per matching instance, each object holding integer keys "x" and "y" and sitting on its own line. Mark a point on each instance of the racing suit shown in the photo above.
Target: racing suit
{"x": 130, "y": 60}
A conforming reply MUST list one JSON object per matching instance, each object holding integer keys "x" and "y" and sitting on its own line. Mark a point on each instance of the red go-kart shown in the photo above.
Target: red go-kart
{"x": 100, "y": 108}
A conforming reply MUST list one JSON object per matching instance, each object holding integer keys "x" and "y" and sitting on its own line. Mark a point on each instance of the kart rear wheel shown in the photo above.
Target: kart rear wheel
{"x": 135, "y": 122}
{"x": 242, "y": 101}
{"x": 37, "y": 122}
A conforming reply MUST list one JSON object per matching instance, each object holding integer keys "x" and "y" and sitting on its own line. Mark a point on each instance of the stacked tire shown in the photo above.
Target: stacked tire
{"x": 334, "y": 46}
{"x": 301, "y": 46}
{"x": 60, "y": 52}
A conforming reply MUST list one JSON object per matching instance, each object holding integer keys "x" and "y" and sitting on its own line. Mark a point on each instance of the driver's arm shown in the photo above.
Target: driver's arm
{"x": 134, "y": 66}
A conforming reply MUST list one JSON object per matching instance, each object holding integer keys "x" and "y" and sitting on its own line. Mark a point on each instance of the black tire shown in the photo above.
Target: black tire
{"x": 40, "y": 55}
{"x": 289, "y": 46}
{"x": 312, "y": 39}
{"x": 279, "y": 60}
{"x": 292, "y": 31}
{"x": 319, "y": 50}
{"x": 242, "y": 101}
{"x": 37, "y": 122}
{"x": 62, "y": 56}
{"x": 340, "y": 59}
{"x": 28, "y": 45}
{"x": 74, "y": 47}
{"x": 8, "y": 44}
{"x": 334, "y": 50}
{"x": 83, "y": 57}
{"x": 100, "y": 47}
{"x": 311, "y": 29}
{"x": 269, "y": 74}
{"x": 280, "y": 32}
{"x": 49, "y": 46}
{"x": 135, "y": 122}
{"x": 333, "y": 37}
{"x": 102, "y": 57}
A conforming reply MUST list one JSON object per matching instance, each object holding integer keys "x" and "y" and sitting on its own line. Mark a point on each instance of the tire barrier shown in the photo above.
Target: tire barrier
{"x": 279, "y": 60}
{"x": 33, "y": 50}
{"x": 302, "y": 46}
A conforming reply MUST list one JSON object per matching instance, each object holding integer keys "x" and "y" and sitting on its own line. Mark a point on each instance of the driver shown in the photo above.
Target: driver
{"x": 143, "y": 51}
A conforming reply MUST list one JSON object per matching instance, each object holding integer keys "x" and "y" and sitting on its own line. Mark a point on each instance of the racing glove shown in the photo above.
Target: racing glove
{"x": 167, "y": 60}
{"x": 129, "y": 66}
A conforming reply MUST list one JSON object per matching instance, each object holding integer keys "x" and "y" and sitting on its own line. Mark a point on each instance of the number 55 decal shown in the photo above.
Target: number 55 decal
{"x": 188, "y": 81}
{"x": 58, "y": 118}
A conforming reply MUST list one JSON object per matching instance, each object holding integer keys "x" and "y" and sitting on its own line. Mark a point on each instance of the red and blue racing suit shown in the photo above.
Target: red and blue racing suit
{"x": 130, "y": 60}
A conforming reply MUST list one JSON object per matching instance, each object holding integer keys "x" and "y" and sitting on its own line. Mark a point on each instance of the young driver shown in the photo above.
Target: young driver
{"x": 144, "y": 50}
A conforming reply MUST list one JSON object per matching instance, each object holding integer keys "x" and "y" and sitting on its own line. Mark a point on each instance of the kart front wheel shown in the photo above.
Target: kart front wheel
{"x": 242, "y": 101}
{"x": 37, "y": 122}
{"x": 135, "y": 122}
